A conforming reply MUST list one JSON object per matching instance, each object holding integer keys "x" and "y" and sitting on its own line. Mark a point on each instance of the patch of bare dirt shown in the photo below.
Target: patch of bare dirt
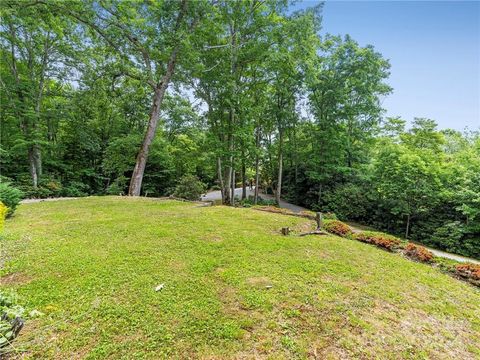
{"x": 402, "y": 330}
{"x": 16, "y": 278}
{"x": 259, "y": 282}
{"x": 304, "y": 227}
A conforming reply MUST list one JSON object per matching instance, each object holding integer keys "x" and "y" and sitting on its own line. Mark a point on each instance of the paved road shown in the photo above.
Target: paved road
{"x": 216, "y": 195}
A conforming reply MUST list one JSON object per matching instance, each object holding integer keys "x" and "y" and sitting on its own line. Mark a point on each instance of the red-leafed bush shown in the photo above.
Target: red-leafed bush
{"x": 418, "y": 253}
{"x": 337, "y": 227}
{"x": 379, "y": 239}
{"x": 471, "y": 272}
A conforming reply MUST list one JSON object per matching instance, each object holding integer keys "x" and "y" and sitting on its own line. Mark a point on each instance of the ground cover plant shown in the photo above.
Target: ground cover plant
{"x": 380, "y": 239}
{"x": 471, "y": 272}
{"x": 337, "y": 227}
{"x": 419, "y": 253}
{"x": 233, "y": 287}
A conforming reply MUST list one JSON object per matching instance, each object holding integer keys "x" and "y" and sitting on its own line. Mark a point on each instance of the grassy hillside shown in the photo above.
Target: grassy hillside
{"x": 234, "y": 287}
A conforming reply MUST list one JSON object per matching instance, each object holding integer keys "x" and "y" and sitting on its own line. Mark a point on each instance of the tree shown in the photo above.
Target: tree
{"x": 33, "y": 49}
{"x": 146, "y": 50}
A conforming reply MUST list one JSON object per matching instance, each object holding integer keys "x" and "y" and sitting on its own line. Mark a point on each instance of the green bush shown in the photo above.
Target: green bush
{"x": 76, "y": 189}
{"x": 118, "y": 186}
{"x": 47, "y": 187}
{"x": 189, "y": 187}
{"x": 10, "y": 196}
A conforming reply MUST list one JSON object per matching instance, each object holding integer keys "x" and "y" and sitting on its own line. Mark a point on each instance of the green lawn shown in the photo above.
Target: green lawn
{"x": 91, "y": 265}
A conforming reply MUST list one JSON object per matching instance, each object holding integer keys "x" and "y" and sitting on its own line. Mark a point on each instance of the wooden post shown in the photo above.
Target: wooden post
{"x": 319, "y": 219}
{"x": 285, "y": 231}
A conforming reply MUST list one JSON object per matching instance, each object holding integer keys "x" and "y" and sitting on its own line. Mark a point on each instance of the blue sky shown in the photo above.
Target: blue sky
{"x": 433, "y": 48}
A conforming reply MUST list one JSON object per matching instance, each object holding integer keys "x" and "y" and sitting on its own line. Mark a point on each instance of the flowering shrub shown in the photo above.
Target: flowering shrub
{"x": 471, "y": 272}
{"x": 418, "y": 253}
{"x": 379, "y": 239}
{"x": 337, "y": 227}
{"x": 3, "y": 214}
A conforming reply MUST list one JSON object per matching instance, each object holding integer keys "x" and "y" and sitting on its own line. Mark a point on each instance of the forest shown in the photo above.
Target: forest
{"x": 144, "y": 98}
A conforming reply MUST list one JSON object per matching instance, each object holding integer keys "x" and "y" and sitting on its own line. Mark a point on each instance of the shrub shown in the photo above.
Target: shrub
{"x": 76, "y": 189}
{"x": 118, "y": 186}
{"x": 39, "y": 192}
{"x": 3, "y": 214}
{"x": 47, "y": 187}
{"x": 337, "y": 227}
{"x": 10, "y": 197}
{"x": 189, "y": 187}
{"x": 379, "y": 239}
{"x": 418, "y": 253}
{"x": 329, "y": 216}
{"x": 469, "y": 271}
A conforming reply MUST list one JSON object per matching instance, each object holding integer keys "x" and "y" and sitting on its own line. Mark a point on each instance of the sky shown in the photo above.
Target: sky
{"x": 434, "y": 52}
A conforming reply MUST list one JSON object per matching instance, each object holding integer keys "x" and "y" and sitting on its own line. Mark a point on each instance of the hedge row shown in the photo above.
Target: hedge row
{"x": 466, "y": 271}
{"x": 379, "y": 239}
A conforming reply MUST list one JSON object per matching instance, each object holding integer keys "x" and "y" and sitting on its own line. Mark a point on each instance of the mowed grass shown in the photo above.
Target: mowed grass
{"x": 234, "y": 288}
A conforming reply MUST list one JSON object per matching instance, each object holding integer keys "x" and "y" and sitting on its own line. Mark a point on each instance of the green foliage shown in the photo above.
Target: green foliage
{"x": 76, "y": 189}
{"x": 453, "y": 237}
{"x": 47, "y": 187}
{"x": 189, "y": 187}
{"x": 10, "y": 197}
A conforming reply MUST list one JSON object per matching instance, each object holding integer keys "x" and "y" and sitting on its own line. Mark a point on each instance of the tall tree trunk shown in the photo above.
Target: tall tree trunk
{"x": 25, "y": 125}
{"x": 278, "y": 193}
{"x": 319, "y": 194}
{"x": 138, "y": 171}
{"x": 257, "y": 163}
{"x": 32, "y": 167}
{"x": 220, "y": 179}
{"x": 232, "y": 198}
{"x": 37, "y": 157}
{"x": 228, "y": 182}
{"x": 159, "y": 93}
{"x": 407, "y": 230}
{"x": 244, "y": 177}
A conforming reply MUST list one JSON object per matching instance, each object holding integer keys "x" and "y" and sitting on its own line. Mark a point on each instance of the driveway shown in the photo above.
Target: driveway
{"x": 217, "y": 195}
